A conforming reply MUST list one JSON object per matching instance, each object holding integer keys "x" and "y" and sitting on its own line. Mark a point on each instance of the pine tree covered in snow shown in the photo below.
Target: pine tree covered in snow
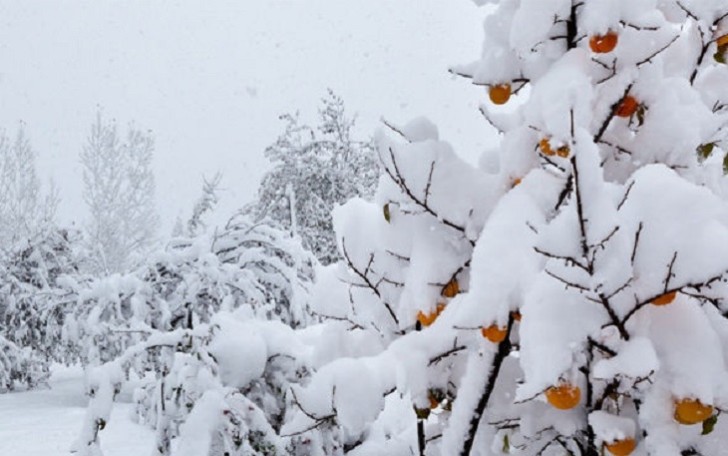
{"x": 315, "y": 169}
{"x": 568, "y": 297}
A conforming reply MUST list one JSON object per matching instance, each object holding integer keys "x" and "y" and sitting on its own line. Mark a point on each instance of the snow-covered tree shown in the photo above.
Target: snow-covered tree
{"x": 206, "y": 203}
{"x": 314, "y": 169}
{"x": 25, "y": 211}
{"x": 569, "y": 296}
{"x": 33, "y": 306}
{"x": 119, "y": 191}
{"x": 210, "y": 321}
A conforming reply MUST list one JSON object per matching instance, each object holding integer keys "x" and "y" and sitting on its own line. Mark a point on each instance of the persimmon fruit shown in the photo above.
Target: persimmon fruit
{"x": 494, "y": 333}
{"x": 623, "y": 447}
{"x": 426, "y": 319}
{"x": 499, "y": 94}
{"x": 664, "y": 299}
{"x": 722, "y": 41}
{"x": 602, "y": 44}
{"x": 545, "y": 147}
{"x": 564, "y": 396}
{"x": 692, "y": 411}
{"x": 627, "y": 107}
{"x": 451, "y": 289}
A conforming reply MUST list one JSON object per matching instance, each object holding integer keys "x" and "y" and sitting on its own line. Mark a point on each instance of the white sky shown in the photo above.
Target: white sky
{"x": 211, "y": 77}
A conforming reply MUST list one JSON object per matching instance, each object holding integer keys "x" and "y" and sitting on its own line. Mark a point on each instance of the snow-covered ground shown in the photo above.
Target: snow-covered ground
{"x": 46, "y": 422}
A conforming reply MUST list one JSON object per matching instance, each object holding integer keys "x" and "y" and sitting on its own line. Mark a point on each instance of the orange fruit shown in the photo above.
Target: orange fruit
{"x": 563, "y": 396}
{"x": 500, "y": 94}
{"x": 451, "y": 289}
{"x": 621, "y": 447}
{"x": 494, "y": 333}
{"x": 601, "y": 44}
{"x": 692, "y": 411}
{"x": 627, "y": 107}
{"x": 428, "y": 319}
{"x": 516, "y": 182}
{"x": 563, "y": 151}
{"x": 665, "y": 299}
{"x": 545, "y": 147}
{"x": 722, "y": 41}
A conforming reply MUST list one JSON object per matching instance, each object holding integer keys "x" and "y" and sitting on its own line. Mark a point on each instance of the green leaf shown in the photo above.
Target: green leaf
{"x": 506, "y": 444}
{"x": 719, "y": 57}
{"x": 704, "y": 150}
{"x": 725, "y": 164}
{"x": 709, "y": 425}
{"x": 387, "y": 214}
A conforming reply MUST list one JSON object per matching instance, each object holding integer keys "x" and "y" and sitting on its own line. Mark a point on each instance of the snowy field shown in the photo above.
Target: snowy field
{"x": 46, "y": 422}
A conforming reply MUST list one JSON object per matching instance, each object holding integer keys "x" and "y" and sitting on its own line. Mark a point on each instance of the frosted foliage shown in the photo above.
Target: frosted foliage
{"x": 207, "y": 326}
{"x": 26, "y": 213}
{"x": 119, "y": 191}
{"x": 569, "y": 294}
{"x": 314, "y": 169}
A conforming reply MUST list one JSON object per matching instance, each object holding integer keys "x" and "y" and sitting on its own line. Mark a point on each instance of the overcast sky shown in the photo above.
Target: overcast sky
{"x": 211, "y": 77}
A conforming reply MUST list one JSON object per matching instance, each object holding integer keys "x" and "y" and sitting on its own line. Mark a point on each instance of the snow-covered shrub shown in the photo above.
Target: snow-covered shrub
{"x": 34, "y": 303}
{"x": 207, "y": 327}
{"x": 567, "y": 297}
{"x": 20, "y": 367}
{"x": 314, "y": 169}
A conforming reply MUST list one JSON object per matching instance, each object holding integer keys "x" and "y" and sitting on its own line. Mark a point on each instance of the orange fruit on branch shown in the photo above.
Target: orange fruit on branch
{"x": 621, "y": 447}
{"x": 494, "y": 333}
{"x": 627, "y": 107}
{"x": 665, "y": 299}
{"x": 722, "y": 41}
{"x": 692, "y": 411}
{"x": 499, "y": 94}
{"x": 451, "y": 289}
{"x": 564, "y": 396}
{"x": 426, "y": 319}
{"x": 563, "y": 151}
{"x": 601, "y": 44}
{"x": 545, "y": 147}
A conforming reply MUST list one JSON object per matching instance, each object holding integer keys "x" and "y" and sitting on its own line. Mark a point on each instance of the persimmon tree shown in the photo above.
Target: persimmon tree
{"x": 568, "y": 296}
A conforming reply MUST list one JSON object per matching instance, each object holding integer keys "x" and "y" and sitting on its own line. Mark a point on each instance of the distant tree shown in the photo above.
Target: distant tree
{"x": 24, "y": 210}
{"x": 314, "y": 169}
{"x": 119, "y": 191}
{"x": 205, "y": 204}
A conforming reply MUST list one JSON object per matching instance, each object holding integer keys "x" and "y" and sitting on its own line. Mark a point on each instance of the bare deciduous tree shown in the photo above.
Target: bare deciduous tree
{"x": 24, "y": 210}
{"x": 119, "y": 191}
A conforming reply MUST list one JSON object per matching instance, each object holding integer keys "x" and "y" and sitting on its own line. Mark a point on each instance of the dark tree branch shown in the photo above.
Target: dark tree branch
{"x": 366, "y": 281}
{"x": 504, "y": 348}
{"x": 398, "y": 179}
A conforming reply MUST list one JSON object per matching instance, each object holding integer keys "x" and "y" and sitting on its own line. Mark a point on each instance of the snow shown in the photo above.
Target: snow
{"x": 58, "y": 412}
